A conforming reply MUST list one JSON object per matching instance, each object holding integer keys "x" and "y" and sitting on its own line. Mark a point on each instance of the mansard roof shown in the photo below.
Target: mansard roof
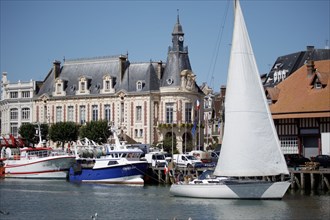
{"x": 288, "y": 64}
{"x": 94, "y": 70}
{"x": 143, "y": 72}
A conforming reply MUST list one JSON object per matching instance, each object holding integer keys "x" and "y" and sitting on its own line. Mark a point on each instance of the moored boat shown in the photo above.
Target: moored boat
{"x": 38, "y": 163}
{"x": 114, "y": 164}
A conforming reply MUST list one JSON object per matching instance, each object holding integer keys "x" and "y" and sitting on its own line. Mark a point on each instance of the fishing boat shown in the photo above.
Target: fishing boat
{"x": 110, "y": 163}
{"x": 250, "y": 148}
{"x": 38, "y": 163}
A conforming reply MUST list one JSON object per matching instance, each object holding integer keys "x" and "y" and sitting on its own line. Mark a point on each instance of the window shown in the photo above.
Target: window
{"x": 107, "y": 112}
{"x": 169, "y": 113}
{"x": 25, "y": 94}
{"x": 82, "y": 86}
{"x": 188, "y": 112}
{"x": 138, "y": 113}
{"x": 25, "y": 113}
{"x": 141, "y": 132}
{"x": 95, "y": 111}
{"x": 317, "y": 84}
{"x": 136, "y": 133}
{"x": 122, "y": 110}
{"x": 13, "y": 114}
{"x": 58, "y": 88}
{"x": 70, "y": 113}
{"x": 58, "y": 114}
{"x": 138, "y": 86}
{"x": 14, "y": 129}
{"x": 82, "y": 111}
{"x": 107, "y": 85}
{"x": 13, "y": 95}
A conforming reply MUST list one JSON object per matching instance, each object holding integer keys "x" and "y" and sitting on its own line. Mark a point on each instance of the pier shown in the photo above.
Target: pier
{"x": 301, "y": 177}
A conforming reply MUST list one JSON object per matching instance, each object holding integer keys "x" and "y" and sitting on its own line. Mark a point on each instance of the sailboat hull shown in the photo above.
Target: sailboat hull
{"x": 232, "y": 190}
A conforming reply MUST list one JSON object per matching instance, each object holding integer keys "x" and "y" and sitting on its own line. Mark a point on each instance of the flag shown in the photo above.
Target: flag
{"x": 166, "y": 169}
{"x": 193, "y": 130}
{"x": 197, "y": 104}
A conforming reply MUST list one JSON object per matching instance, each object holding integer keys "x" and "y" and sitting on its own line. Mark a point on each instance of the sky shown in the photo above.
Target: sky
{"x": 35, "y": 33}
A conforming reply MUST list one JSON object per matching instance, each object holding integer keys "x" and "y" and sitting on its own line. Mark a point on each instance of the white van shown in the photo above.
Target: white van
{"x": 186, "y": 160}
{"x": 156, "y": 159}
{"x": 205, "y": 157}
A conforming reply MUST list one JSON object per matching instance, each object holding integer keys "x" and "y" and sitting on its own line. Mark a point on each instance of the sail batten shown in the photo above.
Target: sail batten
{"x": 250, "y": 144}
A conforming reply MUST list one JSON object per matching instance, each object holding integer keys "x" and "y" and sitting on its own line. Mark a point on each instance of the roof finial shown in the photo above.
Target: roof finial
{"x": 178, "y": 20}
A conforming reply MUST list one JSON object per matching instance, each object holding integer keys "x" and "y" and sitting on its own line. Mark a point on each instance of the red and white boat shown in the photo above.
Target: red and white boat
{"x": 39, "y": 163}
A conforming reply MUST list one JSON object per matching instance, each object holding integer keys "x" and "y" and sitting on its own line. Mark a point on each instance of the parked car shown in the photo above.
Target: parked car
{"x": 294, "y": 160}
{"x": 324, "y": 160}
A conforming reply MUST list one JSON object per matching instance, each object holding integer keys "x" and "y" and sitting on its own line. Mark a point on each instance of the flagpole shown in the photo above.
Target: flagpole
{"x": 199, "y": 124}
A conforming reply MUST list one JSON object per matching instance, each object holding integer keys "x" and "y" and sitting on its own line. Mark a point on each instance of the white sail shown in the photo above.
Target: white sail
{"x": 250, "y": 144}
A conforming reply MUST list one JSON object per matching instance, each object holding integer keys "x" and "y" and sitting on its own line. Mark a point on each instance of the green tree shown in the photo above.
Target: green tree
{"x": 28, "y": 131}
{"x": 64, "y": 132}
{"x": 167, "y": 144}
{"x": 97, "y": 131}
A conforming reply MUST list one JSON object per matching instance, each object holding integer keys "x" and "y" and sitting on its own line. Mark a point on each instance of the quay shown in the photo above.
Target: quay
{"x": 301, "y": 177}
{"x": 310, "y": 179}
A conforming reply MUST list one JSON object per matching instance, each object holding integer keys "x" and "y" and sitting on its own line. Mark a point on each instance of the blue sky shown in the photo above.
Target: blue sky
{"x": 34, "y": 33}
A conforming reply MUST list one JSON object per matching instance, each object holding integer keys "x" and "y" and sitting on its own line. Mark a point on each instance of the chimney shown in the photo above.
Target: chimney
{"x": 310, "y": 68}
{"x": 122, "y": 60}
{"x": 160, "y": 69}
{"x": 223, "y": 91}
{"x": 57, "y": 68}
{"x": 310, "y": 48}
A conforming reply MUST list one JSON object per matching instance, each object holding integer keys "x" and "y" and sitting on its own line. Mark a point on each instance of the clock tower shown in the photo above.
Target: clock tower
{"x": 177, "y": 37}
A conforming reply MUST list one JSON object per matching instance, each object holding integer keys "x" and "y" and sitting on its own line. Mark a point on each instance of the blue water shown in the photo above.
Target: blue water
{"x": 58, "y": 199}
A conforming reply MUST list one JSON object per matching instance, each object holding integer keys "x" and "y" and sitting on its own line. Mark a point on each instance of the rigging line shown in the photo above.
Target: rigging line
{"x": 217, "y": 47}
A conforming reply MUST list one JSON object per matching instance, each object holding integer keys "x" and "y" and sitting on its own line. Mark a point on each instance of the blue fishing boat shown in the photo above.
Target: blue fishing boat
{"x": 110, "y": 163}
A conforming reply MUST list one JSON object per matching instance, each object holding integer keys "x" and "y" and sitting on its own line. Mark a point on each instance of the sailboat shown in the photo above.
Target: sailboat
{"x": 250, "y": 148}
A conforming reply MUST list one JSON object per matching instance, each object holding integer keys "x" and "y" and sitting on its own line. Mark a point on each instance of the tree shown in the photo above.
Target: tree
{"x": 28, "y": 132}
{"x": 64, "y": 132}
{"x": 97, "y": 131}
{"x": 167, "y": 144}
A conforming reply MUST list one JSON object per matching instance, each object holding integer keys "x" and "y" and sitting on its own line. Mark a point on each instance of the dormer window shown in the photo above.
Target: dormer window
{"x": 83, "y": 85}
{"x": 59, "y": 87}
{"x": 139, "y": 86}
{"x": 107, "y": 85}
{"x": 317, "y": 84}
{"x": 319, "y": 81}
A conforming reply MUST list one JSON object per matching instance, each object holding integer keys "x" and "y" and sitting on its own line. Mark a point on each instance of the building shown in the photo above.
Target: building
{"x": 285, "y": 65}
{"x": 148, "y": 101}
{"x": 16, "y": 104}
{"x": 300, "y": 107}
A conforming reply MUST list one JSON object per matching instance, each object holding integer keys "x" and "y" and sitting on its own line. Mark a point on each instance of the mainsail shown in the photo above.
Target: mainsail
{"x": 250, "y": 144}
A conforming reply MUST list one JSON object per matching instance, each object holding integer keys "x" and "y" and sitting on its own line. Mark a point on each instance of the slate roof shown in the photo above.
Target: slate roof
{"x": 294, "y": 61}
{"x": 297, "y": 97}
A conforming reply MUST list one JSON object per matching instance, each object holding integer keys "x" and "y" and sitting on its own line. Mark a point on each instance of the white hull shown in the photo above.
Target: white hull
{"x": 52, "y": 167}
{"x": 251, "y": 190}
{"x": 122, "y": 180}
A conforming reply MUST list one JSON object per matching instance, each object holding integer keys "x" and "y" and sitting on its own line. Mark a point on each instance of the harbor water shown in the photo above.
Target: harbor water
{"x": 59, "y": 199}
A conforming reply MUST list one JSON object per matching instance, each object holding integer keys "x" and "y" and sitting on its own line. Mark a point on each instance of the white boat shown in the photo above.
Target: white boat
{"x": 38, "y": 163}
{"x": 250, "y": 148}
{"x": 113, "y": 164}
